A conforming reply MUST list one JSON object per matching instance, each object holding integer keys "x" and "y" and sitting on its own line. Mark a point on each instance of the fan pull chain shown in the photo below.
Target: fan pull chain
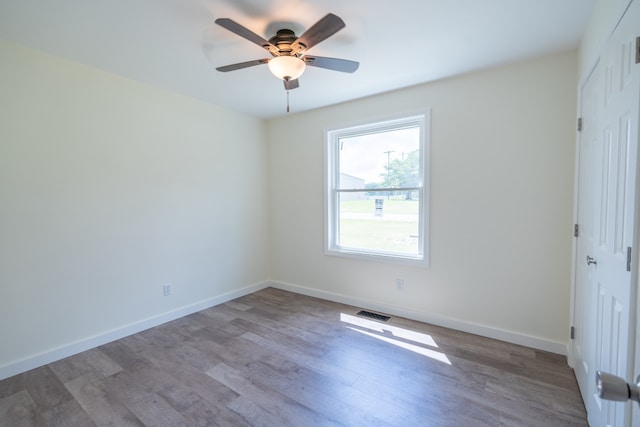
{"x": 287, "y": 101}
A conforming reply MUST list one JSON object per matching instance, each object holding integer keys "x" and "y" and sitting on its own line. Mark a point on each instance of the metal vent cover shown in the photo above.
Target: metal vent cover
{"x": 373, "y": 315}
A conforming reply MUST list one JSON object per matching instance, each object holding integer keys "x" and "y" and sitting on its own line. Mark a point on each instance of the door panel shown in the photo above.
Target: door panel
{"x": 604, "y": 290}
{"x": 585, "y": 297}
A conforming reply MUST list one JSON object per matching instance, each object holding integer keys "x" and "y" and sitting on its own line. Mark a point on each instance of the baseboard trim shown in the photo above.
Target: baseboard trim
{"x": 447, "y": 322}
{"x": 70, "y": 349}
{"x": 49, "y": 356}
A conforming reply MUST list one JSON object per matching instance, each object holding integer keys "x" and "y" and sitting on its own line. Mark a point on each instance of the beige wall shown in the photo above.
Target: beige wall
{"x": 502, "y": 145}
{"x": 110, "y": 189}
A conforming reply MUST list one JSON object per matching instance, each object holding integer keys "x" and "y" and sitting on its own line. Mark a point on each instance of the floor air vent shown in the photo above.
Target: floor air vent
{"x": 371, "y": 315}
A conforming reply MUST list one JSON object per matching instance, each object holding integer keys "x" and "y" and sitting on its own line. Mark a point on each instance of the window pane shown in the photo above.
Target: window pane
{"x": 380, "y": 160}
{"x": 377, "y": 190}
{"x": 380, "y": 221}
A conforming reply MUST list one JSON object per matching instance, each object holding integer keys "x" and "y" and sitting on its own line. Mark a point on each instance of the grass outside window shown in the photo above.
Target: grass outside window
{"x": 395, "y": 229}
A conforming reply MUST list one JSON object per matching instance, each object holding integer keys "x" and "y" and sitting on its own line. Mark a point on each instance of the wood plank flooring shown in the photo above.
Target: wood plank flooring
{"x": 275, "y": 358}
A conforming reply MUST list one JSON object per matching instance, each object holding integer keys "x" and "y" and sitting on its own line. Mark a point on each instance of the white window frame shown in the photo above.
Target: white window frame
{"x": 332, "y": 172}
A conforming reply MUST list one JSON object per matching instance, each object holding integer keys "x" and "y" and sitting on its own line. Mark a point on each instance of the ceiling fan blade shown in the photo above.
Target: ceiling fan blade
{"x": 291, "y": 84}
{"x": 246, "y": 33}
{"x": 321, "y": 30}
{"x": 335, "y": 64}
{"x": 242, "y": 65}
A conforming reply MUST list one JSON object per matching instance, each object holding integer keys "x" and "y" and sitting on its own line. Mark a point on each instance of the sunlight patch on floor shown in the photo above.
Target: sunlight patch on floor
{"x": 396, "y": 335}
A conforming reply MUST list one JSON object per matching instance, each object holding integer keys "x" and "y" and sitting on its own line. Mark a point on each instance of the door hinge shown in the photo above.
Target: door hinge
{"x": 576, "y": 230}
{"x": 573, "y": 332}
{"x": 579, "y": 124}
{"x": 629, "y": 258}
{"x": 638, "y": 50}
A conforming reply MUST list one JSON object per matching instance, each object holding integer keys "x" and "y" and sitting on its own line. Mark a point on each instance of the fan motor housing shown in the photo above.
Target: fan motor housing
{"x": 283, "y": 40}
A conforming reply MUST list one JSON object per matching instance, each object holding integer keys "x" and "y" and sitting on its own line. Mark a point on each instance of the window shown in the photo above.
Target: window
{"x": 377, "y": 192}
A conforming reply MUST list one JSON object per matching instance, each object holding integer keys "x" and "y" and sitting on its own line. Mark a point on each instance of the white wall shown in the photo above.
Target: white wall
{"x": 501, "y": 208}
{"x": 110, "y": 189}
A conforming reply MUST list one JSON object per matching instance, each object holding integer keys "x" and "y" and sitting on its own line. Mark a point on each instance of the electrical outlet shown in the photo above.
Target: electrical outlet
{"x": 166, "y": 289}
{"x": 400, "y": 284}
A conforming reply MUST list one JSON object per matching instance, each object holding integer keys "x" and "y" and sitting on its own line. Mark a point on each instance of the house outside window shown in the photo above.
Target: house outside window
{"x": 377, "y": 198}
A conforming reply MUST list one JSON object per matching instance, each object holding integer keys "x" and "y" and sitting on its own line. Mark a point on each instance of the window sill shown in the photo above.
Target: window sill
{"x": 422, "y": 262}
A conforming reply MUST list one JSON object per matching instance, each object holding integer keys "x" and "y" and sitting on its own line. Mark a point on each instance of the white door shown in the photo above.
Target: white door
{"x": 607, "y": 312}
{"x": 584, "y": 296}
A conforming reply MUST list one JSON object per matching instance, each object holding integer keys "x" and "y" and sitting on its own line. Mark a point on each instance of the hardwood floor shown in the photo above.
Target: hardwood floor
{"x": 275, "y": 358}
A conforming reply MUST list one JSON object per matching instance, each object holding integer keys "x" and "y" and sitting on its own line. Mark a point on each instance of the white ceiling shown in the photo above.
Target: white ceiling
{"x": 174, "y": 44}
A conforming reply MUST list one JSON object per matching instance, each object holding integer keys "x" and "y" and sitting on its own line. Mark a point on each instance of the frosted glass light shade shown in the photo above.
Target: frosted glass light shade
{"x": 286, "y": 67}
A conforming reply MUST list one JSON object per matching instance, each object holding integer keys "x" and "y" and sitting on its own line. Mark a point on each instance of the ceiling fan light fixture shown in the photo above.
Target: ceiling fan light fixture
{"x": 286, "y": 67}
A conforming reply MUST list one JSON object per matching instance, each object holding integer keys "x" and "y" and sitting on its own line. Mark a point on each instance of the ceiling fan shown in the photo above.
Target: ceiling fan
{"x": 288, "y": 51}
